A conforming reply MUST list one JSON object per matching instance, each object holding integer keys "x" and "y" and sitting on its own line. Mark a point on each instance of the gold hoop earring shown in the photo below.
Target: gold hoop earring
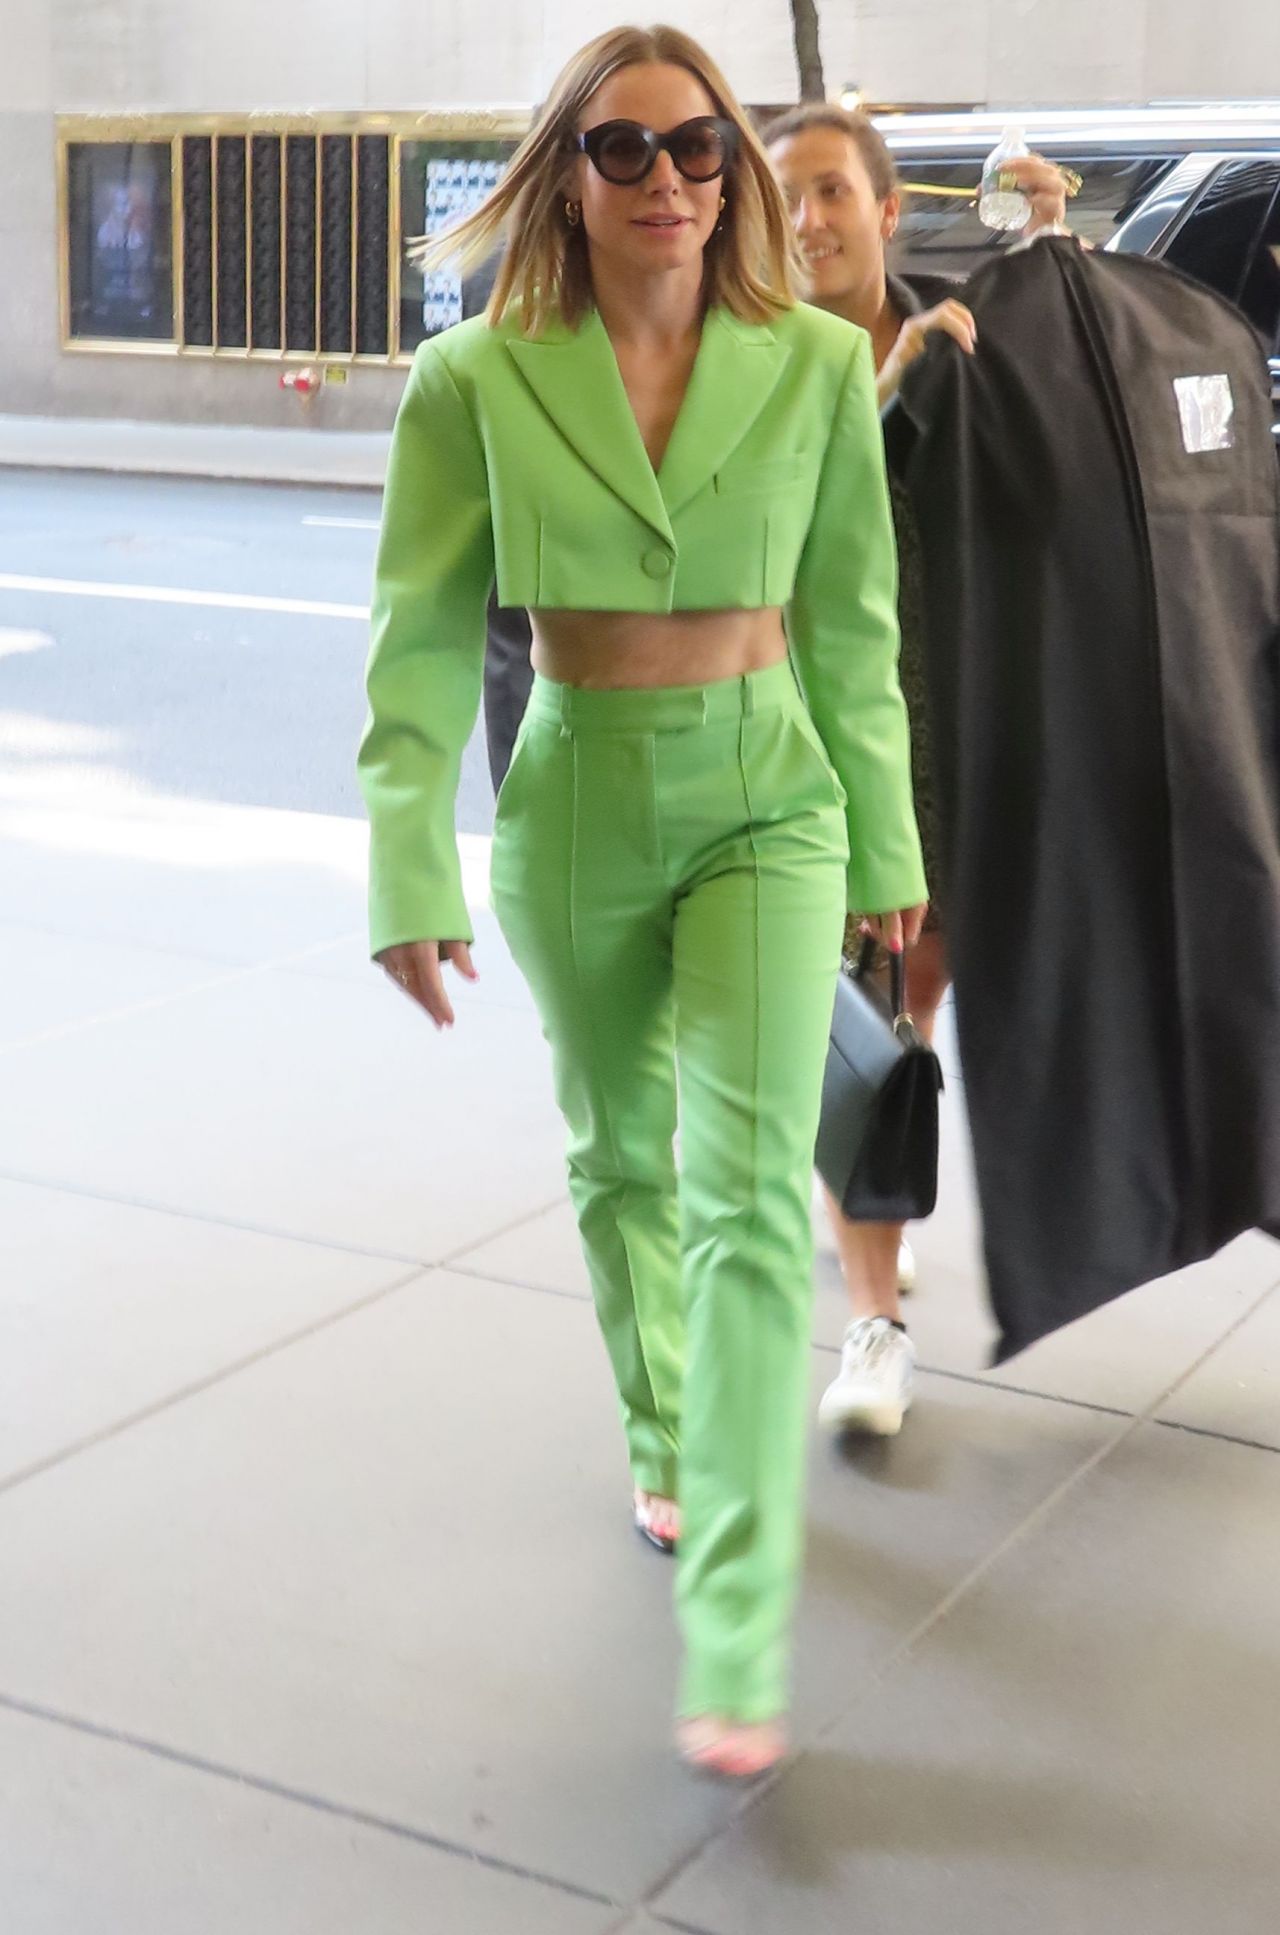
{"x": 573, "y": 213}
{"x": 719, "y": 227}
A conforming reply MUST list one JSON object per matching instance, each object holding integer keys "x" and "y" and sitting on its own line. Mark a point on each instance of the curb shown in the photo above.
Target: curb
{"x": 351, "y": 459}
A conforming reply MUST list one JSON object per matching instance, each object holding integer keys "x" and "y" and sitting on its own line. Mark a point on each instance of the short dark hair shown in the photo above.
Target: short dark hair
{"x": 873, "y": 150}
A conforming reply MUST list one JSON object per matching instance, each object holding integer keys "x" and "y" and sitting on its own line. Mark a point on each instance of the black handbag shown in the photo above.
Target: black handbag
{"x": 878, "y": 1131}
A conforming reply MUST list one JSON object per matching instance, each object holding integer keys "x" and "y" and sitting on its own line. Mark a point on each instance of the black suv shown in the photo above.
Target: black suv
{"x": 1197, "y": 186}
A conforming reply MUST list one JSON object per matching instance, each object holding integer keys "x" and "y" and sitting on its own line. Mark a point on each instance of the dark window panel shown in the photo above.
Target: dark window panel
{"x": 197, "y": 241}
{"x": 264, "y": 201}
{"x": 300, "y": 242}
{"x": 372, "y": 219}
{"x": 231, "y": 319}
{"x": 335, "y": 244}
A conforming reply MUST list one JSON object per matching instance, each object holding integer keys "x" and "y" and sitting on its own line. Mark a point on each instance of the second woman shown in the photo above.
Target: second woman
{"x": 841, "y": 185}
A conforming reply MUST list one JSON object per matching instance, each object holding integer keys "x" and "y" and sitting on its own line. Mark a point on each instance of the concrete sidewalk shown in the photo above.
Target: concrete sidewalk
{"x": 320, "y": 1610}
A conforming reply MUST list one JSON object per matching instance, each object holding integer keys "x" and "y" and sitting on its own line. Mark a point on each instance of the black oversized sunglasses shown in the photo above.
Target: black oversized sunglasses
{"x": 624, "y": 151}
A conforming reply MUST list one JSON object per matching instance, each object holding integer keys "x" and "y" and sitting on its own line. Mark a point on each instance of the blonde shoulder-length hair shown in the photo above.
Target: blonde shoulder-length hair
{"x": 752, "y": 263}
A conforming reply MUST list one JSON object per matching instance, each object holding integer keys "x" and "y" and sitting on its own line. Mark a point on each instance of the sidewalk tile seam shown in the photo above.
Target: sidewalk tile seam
{"x": 875, "y": 1678}
{"x": 518, "y": 1283}
{"x": 988, "y": 1381}
{"x": 10, "y": 1481}
{"x": 449, "y": 1261}
{"x": 902, "y": 1652}
{"x": 639, "y": 1920}
{"x": 478, "y": 999}
{"x": 77, "y": 938}
{"x": 979, "y": 1381}
{"x": 1217, "y": 1437}
{"x": 230, "y": 976}
{"x": 395, "y": 1257}
{"x": 67, "y": 1030}
{"x": 300, "y": 1797}
{"x": 415, "y": 1271}
{"x": 473, "y": 1243}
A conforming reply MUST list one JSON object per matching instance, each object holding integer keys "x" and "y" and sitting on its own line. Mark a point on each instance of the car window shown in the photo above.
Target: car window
{"x": 1229, "y": 239}
{"x": 1260, "y": 296}
{"x": 940, "y": 233}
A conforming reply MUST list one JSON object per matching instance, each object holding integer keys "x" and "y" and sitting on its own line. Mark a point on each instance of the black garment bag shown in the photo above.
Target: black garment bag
{"x": 1096, "y": 492}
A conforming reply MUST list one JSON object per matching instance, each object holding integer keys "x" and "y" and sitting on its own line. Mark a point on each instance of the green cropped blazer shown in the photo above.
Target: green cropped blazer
{"x": 520, "y": 458}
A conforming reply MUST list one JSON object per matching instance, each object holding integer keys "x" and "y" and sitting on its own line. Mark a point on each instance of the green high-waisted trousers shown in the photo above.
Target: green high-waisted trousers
{"x": 669, "y": 871}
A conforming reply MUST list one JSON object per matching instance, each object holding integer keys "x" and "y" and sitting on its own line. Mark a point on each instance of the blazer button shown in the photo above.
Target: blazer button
{"x": 655, "y": 563}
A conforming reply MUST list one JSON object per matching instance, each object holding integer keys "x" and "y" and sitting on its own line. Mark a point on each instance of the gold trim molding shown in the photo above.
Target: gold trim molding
{"x": 430, "y": 124}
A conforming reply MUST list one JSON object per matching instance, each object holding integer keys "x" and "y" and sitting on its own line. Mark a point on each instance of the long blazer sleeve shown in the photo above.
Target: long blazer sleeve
{"x": 843, "y": 628}
{"x": 431, "y": 584}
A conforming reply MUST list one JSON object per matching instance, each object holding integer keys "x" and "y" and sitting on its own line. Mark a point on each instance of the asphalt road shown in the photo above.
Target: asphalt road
{"x": 116, "y": 689}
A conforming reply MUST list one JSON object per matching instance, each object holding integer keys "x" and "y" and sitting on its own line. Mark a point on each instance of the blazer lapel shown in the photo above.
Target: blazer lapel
{"x": 574, "y": 375}
{"x": 737, "y": 369}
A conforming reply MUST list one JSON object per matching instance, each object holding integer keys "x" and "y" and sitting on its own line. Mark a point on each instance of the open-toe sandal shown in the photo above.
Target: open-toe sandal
{"x": 643, "y": 1515}
{"x": 710, "y": 1746}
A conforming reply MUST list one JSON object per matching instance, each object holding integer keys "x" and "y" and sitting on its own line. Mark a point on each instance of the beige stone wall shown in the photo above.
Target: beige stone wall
{"x": 189, "y": 54}
{"x": 78, "y": 56}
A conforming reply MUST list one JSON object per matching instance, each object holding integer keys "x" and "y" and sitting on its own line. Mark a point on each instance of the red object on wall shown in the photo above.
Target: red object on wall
{"x": 303, "y": 382}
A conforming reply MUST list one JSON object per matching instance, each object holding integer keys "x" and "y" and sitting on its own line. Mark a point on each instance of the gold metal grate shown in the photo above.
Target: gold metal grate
{"x": 276, "y": 237}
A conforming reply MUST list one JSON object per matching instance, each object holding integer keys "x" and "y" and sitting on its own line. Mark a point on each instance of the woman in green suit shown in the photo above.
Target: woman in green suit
{"x": 655, "y": 448}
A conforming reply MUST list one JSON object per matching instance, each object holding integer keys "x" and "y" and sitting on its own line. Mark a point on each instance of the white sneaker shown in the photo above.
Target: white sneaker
{"x": 873, "y": 1391}
{"x": 906, "y": 1268}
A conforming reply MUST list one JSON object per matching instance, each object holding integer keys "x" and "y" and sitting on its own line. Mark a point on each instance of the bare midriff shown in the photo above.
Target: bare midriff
{"x": 611, "y": 651}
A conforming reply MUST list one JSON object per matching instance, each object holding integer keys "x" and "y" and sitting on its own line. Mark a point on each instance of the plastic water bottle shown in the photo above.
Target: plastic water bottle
{"x": 1001, "y": 203}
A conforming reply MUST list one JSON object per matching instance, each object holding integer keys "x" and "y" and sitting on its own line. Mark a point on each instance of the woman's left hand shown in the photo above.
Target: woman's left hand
{"x": 898, "y": 930}
{"x": 950, "y": 318}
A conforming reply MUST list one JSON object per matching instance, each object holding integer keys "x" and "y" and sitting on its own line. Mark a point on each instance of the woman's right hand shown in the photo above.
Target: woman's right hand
{"x": 1047, "y": 187}
{"x": 416, "y": 967}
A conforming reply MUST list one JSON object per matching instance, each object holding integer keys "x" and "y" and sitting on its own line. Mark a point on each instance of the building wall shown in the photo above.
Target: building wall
{"x": 86, "y": 56}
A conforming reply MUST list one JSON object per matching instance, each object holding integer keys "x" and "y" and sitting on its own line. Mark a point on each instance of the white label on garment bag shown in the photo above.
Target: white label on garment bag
{"x": 1206, "y": 407}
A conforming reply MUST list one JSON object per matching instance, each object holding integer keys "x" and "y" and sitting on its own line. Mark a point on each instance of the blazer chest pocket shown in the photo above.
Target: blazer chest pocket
{"x": 761, "y": 474}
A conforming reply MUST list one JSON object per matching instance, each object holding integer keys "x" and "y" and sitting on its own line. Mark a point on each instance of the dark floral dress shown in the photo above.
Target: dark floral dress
{"x": 911, "y": 678}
